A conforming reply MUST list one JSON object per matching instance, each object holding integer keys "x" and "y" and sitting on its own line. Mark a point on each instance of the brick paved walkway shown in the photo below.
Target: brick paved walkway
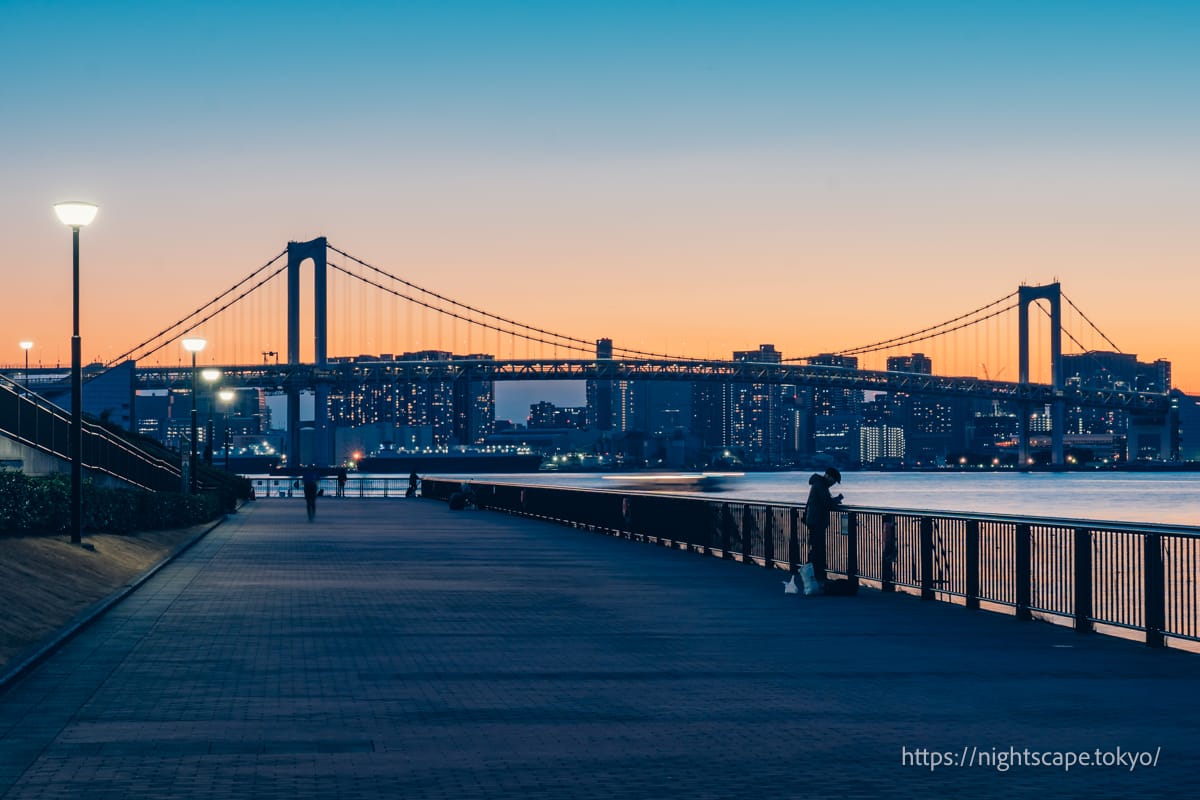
{"x": 397, "y": 649}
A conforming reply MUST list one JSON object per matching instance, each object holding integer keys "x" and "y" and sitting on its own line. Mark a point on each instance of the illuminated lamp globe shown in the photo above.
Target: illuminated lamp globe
{"x": 76, "y": 213}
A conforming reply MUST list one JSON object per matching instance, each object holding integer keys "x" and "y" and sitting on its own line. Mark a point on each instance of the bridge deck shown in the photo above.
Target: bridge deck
{"x": 397, "y": 649}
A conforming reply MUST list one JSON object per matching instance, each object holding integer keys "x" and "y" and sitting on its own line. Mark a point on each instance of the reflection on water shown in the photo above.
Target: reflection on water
{"x": 1169, "y": 498}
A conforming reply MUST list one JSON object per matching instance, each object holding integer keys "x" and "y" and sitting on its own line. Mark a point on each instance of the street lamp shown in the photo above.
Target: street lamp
{"x": 76, "y": 214}
{"x": 210, "y": 375}
{"x": 26, "y": 346}
{"x": 193, "y": 344}
{"x": 226, "y": 395}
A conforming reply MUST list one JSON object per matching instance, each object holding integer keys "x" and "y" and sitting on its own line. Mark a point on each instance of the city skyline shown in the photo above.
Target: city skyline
{"x": 677, "y": 183}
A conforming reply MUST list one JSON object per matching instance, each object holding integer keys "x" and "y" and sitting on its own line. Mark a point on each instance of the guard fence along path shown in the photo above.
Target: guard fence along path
{"x": 396, "y": 648}
{"x": 1125, "y": 579}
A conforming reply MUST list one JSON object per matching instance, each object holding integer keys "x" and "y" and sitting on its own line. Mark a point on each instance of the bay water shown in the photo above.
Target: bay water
{"x": 1171, "y": 498}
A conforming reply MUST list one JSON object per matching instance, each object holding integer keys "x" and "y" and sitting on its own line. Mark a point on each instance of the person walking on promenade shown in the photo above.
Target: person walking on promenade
{"x": 309, "y": 479}
{"x": 816, "y": 519}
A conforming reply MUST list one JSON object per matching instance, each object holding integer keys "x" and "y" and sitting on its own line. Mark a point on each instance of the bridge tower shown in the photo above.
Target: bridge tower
{"x": 298, "y": 253}
{"x": 1026, "y": 296}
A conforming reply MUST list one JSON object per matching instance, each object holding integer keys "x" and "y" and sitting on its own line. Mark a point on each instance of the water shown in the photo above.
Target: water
{"x": 1169, "y": 498}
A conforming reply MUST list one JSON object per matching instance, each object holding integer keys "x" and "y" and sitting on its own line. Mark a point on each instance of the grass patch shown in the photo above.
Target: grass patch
{"x": 45, "y": 581}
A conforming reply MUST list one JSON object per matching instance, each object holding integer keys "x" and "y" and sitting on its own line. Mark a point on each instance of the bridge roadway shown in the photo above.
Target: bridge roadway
{"x": 354, "y": 374}
{"x": 394, "y": 648}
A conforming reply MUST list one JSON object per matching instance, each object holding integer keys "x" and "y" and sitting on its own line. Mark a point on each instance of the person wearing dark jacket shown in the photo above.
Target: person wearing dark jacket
{"x": 309, "y": 479}
{"x": 816, "y": 517}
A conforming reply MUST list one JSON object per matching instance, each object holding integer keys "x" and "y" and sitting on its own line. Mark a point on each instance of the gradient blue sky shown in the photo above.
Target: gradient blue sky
{"x": 704, "y": 165}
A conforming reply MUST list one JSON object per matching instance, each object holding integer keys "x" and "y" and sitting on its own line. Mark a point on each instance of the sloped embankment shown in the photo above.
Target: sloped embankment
{"x": 45, "y": 581}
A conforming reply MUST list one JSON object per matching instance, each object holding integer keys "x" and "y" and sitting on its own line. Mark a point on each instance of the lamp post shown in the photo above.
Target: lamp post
{"x": 210, "y": 376}
{"x": 193, "y": 345}
{"x": 26, "y": 346}
{"x": 76, "y": 214}
{"x": 226, "y": 395}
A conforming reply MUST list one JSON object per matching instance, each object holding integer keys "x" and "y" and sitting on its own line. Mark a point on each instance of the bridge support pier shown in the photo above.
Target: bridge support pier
{"x": 299, "y": 252}
{"x": 1026, "y": 296}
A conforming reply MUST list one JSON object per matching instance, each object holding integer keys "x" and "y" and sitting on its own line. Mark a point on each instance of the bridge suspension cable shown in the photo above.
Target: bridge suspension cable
{"x": 191, "y": 318}
{"x": 927, "y": 333}
{"x": 1089, "y": 322}
{"x": 533, "y": 333}
{"x": 496, "y": 328}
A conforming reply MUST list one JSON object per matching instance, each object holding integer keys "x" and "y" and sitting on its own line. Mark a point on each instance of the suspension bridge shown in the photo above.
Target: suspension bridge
{"x": 371, "y": 326}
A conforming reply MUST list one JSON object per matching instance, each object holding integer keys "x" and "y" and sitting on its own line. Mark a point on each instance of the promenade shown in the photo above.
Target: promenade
{"x": 395, "y": 649}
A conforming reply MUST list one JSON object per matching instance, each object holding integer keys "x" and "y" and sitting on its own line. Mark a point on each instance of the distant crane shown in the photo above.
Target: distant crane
{"x": 986, "y": 377}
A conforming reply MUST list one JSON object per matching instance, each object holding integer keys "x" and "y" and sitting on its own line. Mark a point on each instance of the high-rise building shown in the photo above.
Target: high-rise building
{"x": 661, "y": 407}
{"x": 917, "y": 363}
{"x": 836, "y": 413}
{"x": 757, "y": 412}
{"x": 1110, "y": 371}
{"x": 474, "y": 407}
{"x": 600, "y": 393}
{"x": 452, "y": 412}
{"x": 881, "y": 438}
{"x": 752, "y": 418}
{"x": 710, "y": 413}
{"x": 929, "y": 423}
{"x": 547, "y": 415}
{"x": 1186, "y": 416}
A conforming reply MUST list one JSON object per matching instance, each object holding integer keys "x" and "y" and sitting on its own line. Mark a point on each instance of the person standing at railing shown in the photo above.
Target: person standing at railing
{"x": 816, "y": 518}
{"x": 412, "y": 484}
{"x": 341, "y": 482}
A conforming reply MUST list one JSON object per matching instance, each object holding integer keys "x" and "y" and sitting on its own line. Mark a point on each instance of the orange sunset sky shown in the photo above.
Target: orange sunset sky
{"x": 813, "y": 175}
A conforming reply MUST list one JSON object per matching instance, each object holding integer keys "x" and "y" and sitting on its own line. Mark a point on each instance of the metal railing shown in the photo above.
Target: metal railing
{"x": 1087, "y": 574}
{"x": 28, "y": 418}
{"x": 356, "y": 486}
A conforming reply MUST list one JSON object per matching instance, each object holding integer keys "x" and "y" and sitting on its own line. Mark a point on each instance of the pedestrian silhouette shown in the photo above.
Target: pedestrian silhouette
{"x": 309, "y": 479}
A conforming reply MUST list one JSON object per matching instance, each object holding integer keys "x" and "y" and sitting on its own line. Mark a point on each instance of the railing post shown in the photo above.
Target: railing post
{"x": 726, "y": 531}
{"x": 926, "y": 546}
{"x": 1153, "y": 590}
{"x": 794, "y": 541}
{"x": 852, "y": 548}
{"x": 747, "y": 534}
{"x": 1083, "y": 580}
{"x": 887, "y": 555}
{"x": 972, "y": 563}
{"x": 769, "y": 538}
{"x": 1022, "y": 570}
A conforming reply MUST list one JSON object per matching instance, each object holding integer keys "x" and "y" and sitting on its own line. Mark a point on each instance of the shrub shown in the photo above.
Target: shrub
{"x": 37, "y": 504}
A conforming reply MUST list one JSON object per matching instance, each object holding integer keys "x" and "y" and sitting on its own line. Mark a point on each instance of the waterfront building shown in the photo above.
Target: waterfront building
{"x": 600, "y": 393}
{"x": 1143, "y": 439}
{"x": 454, "y": 412}
{"x": 545, "y": 415}
{"x": 757, "y": 410}
{"x": 474, "y": 407}
{"x": 661, "y": 407}
{"x": 837, "y": 414}
{"x": 881, "y": 439}
{"x": 1186, "y": 412}
{"x": 165, "y": 416}
{"x": 748, "y": 417}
